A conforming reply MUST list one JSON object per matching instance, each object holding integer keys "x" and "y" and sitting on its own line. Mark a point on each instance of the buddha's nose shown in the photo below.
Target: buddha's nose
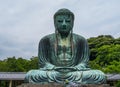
{"x": 64, "y": 24}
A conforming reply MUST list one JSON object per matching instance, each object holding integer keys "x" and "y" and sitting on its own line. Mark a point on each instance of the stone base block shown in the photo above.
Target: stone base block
{"x": 62, "y": 85}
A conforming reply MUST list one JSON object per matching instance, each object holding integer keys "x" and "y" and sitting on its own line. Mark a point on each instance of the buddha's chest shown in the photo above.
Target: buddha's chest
{"x": 64, "y": 54}
{"x": 64, "y": 51}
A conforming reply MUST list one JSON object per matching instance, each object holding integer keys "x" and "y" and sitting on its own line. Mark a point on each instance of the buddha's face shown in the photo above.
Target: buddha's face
{"x": 63, "y": 23}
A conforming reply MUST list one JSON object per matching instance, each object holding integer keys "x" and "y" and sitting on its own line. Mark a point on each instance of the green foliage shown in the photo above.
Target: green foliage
{"x": 117, "y": 84}
{"x": 32, "y": 64}
{"x": 97, "y": 42}
{"x": 108, "y": 58}
{"x": 13, "y": 64}
{"x": 105, "y": 53}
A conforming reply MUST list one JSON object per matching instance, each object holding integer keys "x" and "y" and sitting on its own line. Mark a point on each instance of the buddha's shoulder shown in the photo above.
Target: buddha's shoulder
{"x": 48, "y": 37}
{"x": 76, "y": 36}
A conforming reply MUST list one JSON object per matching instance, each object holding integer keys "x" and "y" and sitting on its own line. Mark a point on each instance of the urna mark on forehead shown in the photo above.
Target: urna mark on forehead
{"x": 64, "y": 11}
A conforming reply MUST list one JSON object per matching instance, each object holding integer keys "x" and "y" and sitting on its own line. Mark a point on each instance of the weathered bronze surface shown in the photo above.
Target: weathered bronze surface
{"x": 63, "y": 55}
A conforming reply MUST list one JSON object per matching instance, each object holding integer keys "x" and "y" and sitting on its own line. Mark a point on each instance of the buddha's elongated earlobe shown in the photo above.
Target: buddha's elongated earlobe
{"x": 71, "y": 42}
{"x": 56, "y": 42}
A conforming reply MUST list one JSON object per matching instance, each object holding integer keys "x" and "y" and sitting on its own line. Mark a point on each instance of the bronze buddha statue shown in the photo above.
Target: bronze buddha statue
{"x": 64, "y": 55}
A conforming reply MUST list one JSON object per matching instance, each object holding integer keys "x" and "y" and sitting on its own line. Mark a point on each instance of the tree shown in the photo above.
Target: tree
{"x": 33, "y": 63}
{"x": 105, "y": 56}
{"x": 97, "y": 42}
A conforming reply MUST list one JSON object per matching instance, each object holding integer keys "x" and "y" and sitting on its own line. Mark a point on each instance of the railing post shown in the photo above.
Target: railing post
{"x": 10, "y": 83}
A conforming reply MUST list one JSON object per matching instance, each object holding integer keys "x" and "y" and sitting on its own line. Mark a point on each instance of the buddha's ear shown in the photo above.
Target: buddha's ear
{"x": 56, "y": 31}
{"x": 55, "y": 23}
{"x": 71, "y": 32}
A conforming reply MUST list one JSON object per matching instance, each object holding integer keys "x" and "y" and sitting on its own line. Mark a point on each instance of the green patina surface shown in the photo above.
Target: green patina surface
{"x": 63, "y": 55}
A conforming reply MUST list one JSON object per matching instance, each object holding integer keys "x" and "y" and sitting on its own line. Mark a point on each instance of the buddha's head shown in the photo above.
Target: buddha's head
{"x": 64, "y": 21}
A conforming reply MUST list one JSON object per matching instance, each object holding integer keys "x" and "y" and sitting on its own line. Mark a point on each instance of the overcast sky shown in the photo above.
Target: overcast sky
{"x": 24, "y": 22}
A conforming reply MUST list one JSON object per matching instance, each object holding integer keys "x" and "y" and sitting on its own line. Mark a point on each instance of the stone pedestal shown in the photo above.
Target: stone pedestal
{"x": 62, "y": 85}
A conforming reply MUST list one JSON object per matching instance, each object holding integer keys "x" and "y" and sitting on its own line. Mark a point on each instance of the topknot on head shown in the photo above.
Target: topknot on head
{"x": 64, "y": 11}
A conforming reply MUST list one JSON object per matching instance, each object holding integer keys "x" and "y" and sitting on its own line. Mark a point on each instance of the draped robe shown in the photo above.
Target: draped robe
{"x": 74, "y": 69}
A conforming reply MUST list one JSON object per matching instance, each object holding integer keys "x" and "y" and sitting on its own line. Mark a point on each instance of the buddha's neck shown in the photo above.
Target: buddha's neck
{"x": 64, "y": 40}
{"x": 63, "y": 36}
